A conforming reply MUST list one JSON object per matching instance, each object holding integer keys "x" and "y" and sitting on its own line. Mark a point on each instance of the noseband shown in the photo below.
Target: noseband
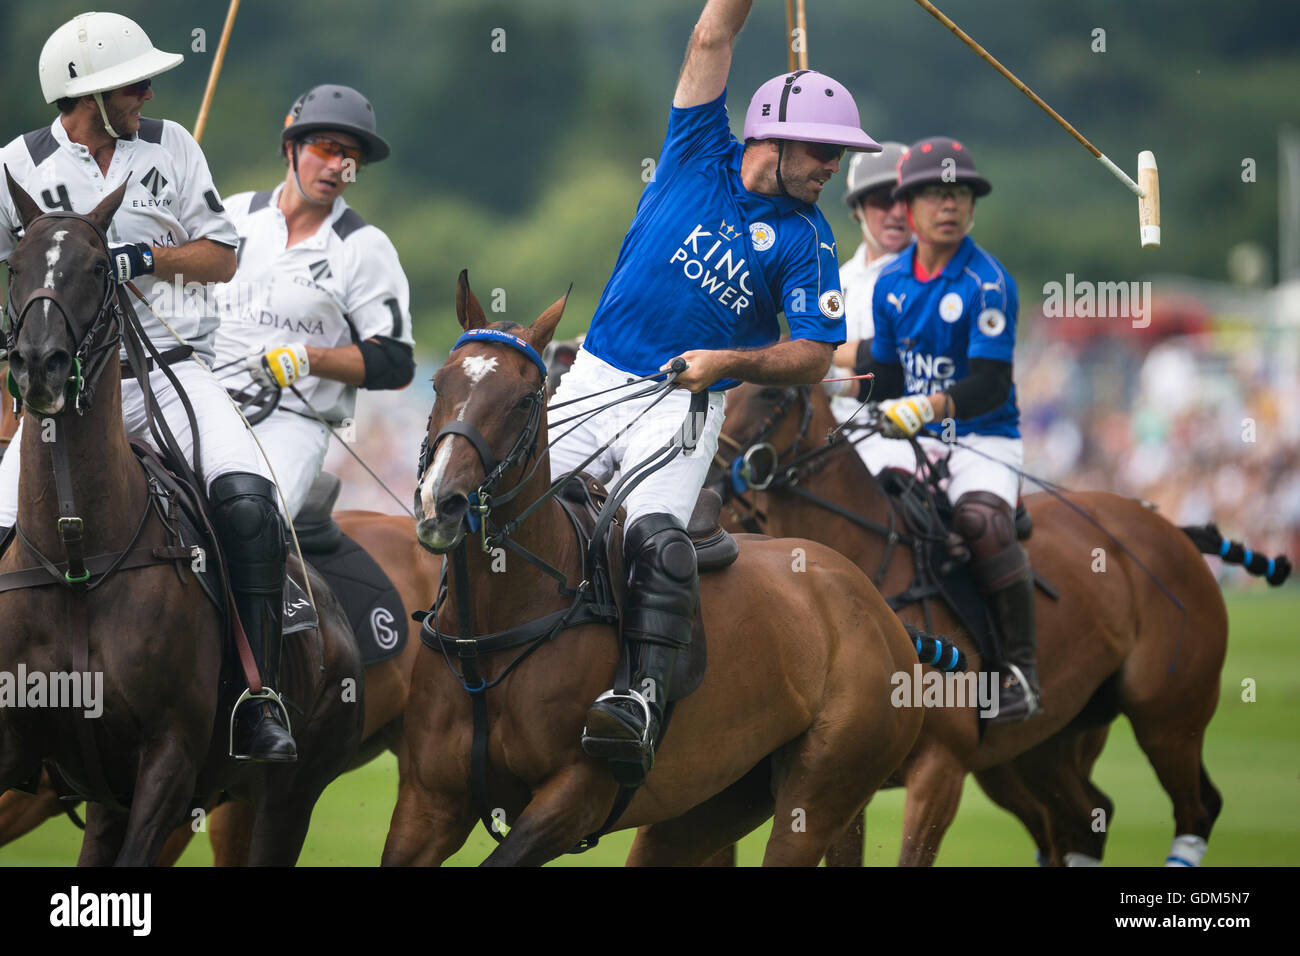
{"x": 90, "y": 360}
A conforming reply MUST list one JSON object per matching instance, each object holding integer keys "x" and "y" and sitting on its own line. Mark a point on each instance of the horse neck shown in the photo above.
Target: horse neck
{"x": 107, "y": 487}
{"x": 521, "y": 592}
{"x": 839, "y": 477}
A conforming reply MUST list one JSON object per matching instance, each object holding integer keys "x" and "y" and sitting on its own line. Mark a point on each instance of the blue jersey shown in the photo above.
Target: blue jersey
{"x": 935, "y": 328}
{"x": 707, "y": 264}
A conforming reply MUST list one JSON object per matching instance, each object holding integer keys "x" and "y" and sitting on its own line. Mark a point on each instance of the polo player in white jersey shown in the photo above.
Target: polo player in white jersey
{"x": 170, "y": 229}
{"x": 320, "y": 301}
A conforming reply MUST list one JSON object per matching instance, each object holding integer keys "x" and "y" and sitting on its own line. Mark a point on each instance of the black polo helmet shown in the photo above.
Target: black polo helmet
{"x": 938, "y": 160}
{"x": 334, "y": 107}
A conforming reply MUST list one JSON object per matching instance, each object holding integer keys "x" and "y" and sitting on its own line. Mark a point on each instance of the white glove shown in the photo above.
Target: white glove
{"x": 904, "y": 417}
{"x": 281, "y": 365}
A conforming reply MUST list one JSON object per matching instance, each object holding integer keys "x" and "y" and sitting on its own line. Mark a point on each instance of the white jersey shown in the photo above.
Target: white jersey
{"x": 858, "y": 283}
{"x": 169, "y": 201}
{"x": 339, "y": 287}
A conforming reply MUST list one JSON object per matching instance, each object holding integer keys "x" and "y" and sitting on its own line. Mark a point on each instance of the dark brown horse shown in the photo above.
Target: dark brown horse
{"x": 388, "y": 539}
{"x": 159, "y": 745}
{"x": 1114, "y": 642}
{"x": 792, "y": 716}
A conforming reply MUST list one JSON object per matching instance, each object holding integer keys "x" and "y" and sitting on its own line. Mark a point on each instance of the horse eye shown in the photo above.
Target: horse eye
{"x": 526, "y": 402}
{"x": 101, "y": 267}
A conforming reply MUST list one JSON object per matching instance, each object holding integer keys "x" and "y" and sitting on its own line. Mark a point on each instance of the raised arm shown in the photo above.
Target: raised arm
{"x": 708, "y": 56}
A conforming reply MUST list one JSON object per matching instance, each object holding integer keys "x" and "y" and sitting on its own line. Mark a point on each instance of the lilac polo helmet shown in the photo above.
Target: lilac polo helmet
{"x": 808, "y": 106}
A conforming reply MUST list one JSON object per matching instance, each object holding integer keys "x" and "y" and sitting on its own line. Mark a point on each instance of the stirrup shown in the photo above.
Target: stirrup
{"x": 629, "y": 695}
{"x": 1033, "y": 704}
{"x": 266, "y": 693}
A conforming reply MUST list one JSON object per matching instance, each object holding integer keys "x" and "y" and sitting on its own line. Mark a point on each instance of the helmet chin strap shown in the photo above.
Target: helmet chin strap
{"x": 780, "y": 154}
{"x": 293, "y": 152}
{"x": 108, "y": 127}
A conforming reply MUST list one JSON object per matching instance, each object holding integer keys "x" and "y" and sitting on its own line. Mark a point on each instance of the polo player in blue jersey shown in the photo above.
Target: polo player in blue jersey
{"x": 725, "y": 237}
{"x": 945, "y": 322}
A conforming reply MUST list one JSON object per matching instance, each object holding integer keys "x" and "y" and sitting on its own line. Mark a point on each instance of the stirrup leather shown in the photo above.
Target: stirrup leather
{"x": 265, "y": 694}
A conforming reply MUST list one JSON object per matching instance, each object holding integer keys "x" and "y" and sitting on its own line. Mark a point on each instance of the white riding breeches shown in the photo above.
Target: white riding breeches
{"x": 672, "y": 489}
{"x": 968, "y": 469}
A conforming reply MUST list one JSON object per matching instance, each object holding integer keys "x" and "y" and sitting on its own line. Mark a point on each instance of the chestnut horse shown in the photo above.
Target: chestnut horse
{"x": 390, "y": 541}
{"x": 159, "y": 742}
{"x": 792, "y": 716}
{"x": 1115, "y": 641}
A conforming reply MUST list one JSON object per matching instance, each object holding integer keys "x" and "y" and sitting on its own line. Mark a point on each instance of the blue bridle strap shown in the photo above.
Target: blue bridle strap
{"x": 505, "y": 338}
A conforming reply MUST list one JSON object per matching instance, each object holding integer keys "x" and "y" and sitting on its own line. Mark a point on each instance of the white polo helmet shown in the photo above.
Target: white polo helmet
{"x": 97, "y": 52}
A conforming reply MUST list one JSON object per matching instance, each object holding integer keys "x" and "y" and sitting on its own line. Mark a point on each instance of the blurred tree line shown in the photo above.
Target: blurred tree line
{"x": 524, "y": 164}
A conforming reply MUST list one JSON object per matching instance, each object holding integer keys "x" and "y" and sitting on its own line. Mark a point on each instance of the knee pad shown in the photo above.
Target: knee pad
{"x": 663, "y": 587}
{"x": 246, "y": 519}
{"x": 986, "y": 522}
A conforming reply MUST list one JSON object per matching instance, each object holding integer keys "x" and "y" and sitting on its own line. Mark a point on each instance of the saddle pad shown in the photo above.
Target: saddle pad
{"x": 373, "y": 606}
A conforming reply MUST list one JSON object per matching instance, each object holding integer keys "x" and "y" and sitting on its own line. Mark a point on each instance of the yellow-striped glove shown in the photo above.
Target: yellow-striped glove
{"x": 903, "y": 417}
{"x": 282, "y": 365}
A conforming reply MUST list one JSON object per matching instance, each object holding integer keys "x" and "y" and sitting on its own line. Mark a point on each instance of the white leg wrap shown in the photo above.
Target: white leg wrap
{"x": 1187, "y": 850}
{"x": 1040, "y": 859}
{"x": 1081, "y": 859}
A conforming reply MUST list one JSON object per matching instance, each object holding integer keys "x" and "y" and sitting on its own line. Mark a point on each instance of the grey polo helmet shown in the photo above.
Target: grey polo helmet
{"x": 334, "y": 107}
{"x": 868, "y": 171}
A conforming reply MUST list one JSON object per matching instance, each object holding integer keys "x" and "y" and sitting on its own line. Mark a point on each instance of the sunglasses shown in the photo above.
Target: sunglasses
{"x": 935, "y": 192}
{"x": 136, "y": 89}
{"x": 327, "y": 149}
{"x": 824, "y": 152}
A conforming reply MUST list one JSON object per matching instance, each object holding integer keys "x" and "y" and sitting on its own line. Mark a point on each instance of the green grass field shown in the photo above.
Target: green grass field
{"x": 1252, "y": 753}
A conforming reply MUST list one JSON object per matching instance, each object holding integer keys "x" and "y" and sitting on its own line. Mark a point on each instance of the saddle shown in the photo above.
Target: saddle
{"x": 370, "y": 600}
{"x": 715, "y": 548}
{"x": 941, "y": 568}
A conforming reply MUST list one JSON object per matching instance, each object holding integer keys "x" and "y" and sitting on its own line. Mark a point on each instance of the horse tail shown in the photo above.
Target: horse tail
{"x": 936, "y": 651}
{"x": 1208, "y": 540}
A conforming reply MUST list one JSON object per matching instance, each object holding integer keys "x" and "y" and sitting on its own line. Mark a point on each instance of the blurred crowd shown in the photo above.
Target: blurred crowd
{"x": 1196, "y": 424}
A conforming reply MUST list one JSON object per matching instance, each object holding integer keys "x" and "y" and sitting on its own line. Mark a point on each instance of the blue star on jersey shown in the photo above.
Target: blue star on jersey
{"x": 707, "y": 264}
{"x": 934, "y": 328}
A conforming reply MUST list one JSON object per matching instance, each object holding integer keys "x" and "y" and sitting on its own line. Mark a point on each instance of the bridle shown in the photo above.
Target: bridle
{"x": 525, "y": 446}
{"x": 91, "y": 357}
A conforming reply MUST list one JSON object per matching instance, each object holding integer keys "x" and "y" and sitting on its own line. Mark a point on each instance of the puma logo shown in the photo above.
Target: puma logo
{"x": 895, "y": 300}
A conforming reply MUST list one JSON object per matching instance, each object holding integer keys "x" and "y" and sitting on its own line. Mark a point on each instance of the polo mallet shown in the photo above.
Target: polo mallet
{"x": 795, "y": 18}
{"x": 1147, "y": 188}
{"x": 217, "y": 60}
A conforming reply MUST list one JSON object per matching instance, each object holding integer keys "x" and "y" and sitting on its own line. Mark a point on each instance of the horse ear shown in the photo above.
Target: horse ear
{"x": 103, "y": 214}
{"x": 540, "y": 332}
{"x": 468, "y": 309}
{"x": 25, "y": 204}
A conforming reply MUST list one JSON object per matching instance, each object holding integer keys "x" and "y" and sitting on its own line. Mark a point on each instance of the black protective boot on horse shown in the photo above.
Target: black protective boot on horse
{"x": 1002, "y": 572}
{"x": 246, "y": 520}
{"x": 623, "y": 727}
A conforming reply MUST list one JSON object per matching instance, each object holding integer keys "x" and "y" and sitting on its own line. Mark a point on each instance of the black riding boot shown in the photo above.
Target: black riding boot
{"x": 245, "y": 518}
{"x": 661, "y": 597}
{"x": 1002, "y": 572}
{"x": 4, "y": 538}
{"x": 1014, "y": 608}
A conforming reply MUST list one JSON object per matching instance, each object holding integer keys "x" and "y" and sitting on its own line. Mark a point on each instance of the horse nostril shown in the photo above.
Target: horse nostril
{"x": 453, "y": 507}
{"x": 16, "y": 361}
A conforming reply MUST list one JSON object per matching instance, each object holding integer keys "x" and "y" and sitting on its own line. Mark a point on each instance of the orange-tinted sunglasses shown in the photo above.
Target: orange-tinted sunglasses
{"x": 327, "y": 149}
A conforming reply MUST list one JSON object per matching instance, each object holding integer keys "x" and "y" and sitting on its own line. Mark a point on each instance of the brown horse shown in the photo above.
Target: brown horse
{"x": 1114, "y": 642}
{"x": 160, "y": 740}
{"x": 792, "y": 716}
{"x": 388, "y": 539}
